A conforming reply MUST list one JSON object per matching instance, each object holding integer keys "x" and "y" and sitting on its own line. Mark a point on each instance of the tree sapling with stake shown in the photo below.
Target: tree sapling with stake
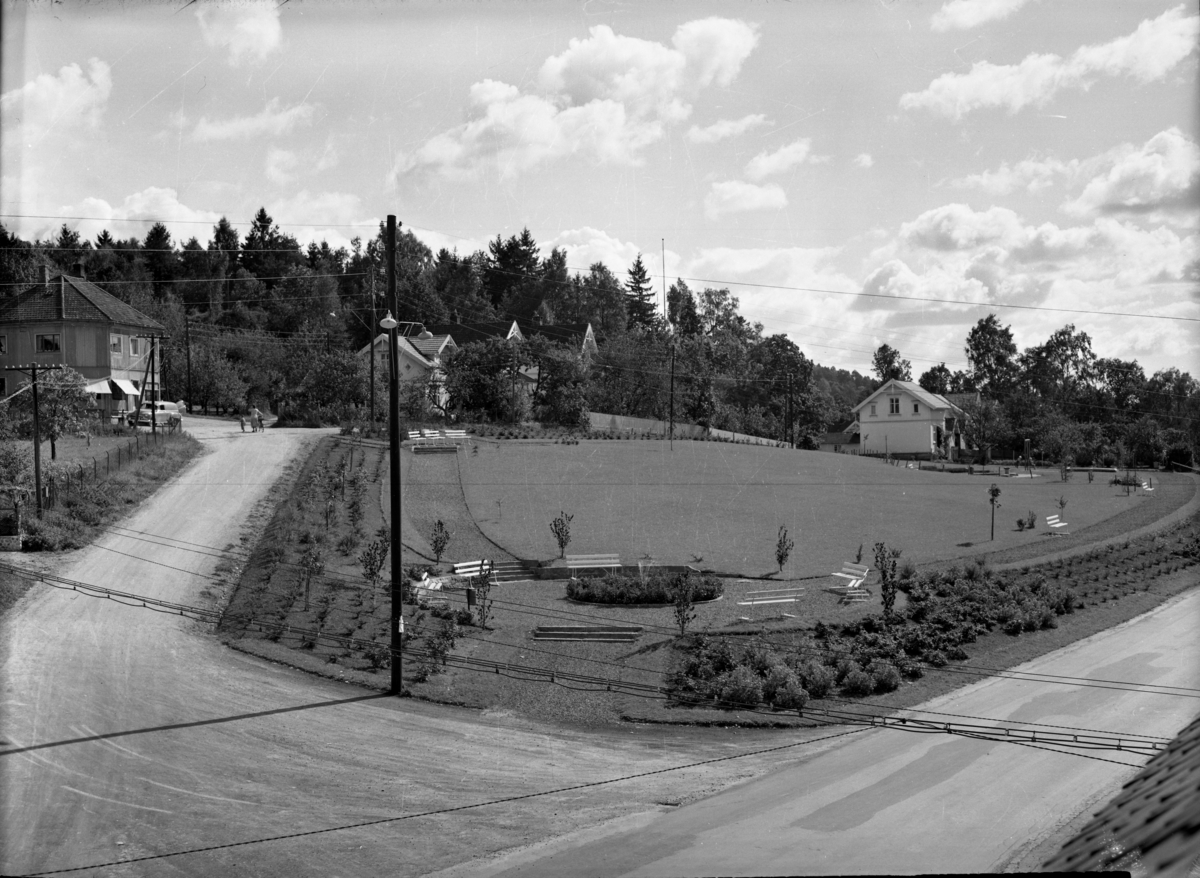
{"x": 783, "y": 547}
{"x": 561, "y": 528}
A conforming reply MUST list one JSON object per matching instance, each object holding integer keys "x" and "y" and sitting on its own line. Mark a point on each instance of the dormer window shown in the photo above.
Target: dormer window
{"x": 894, "y": 405}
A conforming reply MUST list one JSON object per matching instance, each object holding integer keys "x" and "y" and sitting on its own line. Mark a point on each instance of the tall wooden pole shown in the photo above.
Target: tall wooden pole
{"x": 187, "y": 335}
{"x": 671, "y": 442}
{"x": 37, "y": 444}
{"x": 397, "y": 609}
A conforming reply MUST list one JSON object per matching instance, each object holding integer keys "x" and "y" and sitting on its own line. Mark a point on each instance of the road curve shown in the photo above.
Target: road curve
{"x": 129, "y": 736}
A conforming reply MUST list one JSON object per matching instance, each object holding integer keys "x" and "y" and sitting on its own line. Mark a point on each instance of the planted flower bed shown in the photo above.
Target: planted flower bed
{"x": 657, "y": 588}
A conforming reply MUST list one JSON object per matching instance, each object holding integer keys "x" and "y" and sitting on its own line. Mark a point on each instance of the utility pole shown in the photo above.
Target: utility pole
{"x": 37, "y": 432}
{"x": 666, "y": 313}
{"x": 187, "y": 334}
{"x": 787, "y": 437}
{"x": 397, "y": 608}
{"x": 371, "y": 340}
{"x": 671, "y": 405}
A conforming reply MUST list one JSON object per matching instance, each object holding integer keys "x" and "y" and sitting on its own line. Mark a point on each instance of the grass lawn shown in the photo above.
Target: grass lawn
{"x": 720, "y": 506}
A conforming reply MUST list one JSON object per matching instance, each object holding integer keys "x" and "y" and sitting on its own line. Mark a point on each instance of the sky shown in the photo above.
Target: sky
{"x": 856, "y": 172}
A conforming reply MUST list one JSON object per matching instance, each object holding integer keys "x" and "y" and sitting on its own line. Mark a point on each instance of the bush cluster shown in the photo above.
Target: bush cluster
{"x": 656, "y": 588}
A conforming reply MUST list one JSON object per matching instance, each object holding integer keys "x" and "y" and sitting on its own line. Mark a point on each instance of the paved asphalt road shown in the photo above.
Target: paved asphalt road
{"x": 895, "y": 802}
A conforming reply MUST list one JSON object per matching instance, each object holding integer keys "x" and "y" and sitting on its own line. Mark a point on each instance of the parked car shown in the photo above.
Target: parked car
{"x": 165, "y": 414}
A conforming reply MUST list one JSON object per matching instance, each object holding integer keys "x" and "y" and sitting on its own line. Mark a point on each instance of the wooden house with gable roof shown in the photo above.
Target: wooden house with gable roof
{"x": 902, "y": 419}
{"x": 67, "y": 320}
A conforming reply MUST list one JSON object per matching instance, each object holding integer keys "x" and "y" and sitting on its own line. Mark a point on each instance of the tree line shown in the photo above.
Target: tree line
{"x": 270, "y": 321}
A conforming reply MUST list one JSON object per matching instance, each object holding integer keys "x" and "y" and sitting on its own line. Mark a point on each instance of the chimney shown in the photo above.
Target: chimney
{"x": 78, "y": 269}
{"x": 46, "y": 277}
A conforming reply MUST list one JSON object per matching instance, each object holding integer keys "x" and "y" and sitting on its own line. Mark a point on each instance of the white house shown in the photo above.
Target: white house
{"x": 903, "y": 419}
{"x": 419, "y": 357}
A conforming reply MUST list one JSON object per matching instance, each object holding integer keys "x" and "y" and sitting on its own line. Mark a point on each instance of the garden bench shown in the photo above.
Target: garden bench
{"x": 415, "y": 436}
{"x": 855, "y": 574}
{"x": 455, "y": 435}
{"x": 473, "y": 569}
{"x": 1147, "y": 487}
{"x": 432, "y": 437}
{"x": 587, "y": 562}
{"x": 784, "y": 595}
{"x": 1054, "y": 523}
{"x": 857, "y": 595}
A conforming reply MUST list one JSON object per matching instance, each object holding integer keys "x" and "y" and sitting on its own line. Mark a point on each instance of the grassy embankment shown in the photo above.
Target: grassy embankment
{"x": 1111, "y": 584}
{"x": 82, "y": 513}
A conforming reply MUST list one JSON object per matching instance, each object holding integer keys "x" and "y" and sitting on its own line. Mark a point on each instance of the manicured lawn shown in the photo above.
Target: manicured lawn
{"x": 724, "y": 504}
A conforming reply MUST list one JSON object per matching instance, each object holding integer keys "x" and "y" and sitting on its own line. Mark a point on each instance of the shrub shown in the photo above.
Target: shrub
{"x": 1020, "y": 524}
{"x": 935, "y": 658}
{"x": 1013, "y": 626}
{"x": 817, "y": 678}
{"x": 348, "y": 543}
{"x": 657, "y": 588}
{"x": 777, "y": 678}
{"x": 740, "y": 687}
{"x": 791, "y": 696}
{"x": 884, "y": 676}
{"x": 858, "y": 682}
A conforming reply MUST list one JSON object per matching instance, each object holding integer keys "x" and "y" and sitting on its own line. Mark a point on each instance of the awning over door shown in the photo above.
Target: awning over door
{"x": 126, "y": 386}
{"x": 99, "y": 387}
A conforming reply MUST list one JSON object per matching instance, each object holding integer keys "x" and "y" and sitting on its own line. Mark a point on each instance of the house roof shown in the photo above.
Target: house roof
{"x": 73, "y": 299}
{"x": 465, "y": 333}
{"x": 932, "y": 400}
{"x": 404, "y": 346}
{"x": 1155, "y": 818}
{"x": 431, "y": 347}
{"x": 570, "y": 334}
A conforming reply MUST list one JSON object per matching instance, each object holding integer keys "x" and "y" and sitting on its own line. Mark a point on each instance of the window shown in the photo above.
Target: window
{"x": 114, "y": 343}
{"x": 894, "y": 405}
{"x": 135, "y": 346}
{"x": 3, "y": 344}
{"x": 916, "y": 408}
{"x": 48, "y": 344}
{"x": 3, "y": 384}
{"x": 872, "y": 409}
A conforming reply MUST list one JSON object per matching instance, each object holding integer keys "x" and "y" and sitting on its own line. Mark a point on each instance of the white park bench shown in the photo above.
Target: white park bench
{"x": 472, "y": 570}
{"x": 432, "y": 437}
{"x": 783, "y": 595}
{"x": 854, "y": 574}
{"x": 1054, "y": 523}
{"x": 415, "y": 436}
{"x": 589, "y": 562}
{"x": 455, "y": 435}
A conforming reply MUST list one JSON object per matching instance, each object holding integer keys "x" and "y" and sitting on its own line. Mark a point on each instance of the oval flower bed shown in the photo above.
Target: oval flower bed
{"x": 657, "y": 588}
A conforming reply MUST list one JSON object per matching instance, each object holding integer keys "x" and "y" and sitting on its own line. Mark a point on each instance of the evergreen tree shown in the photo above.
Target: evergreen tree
{"x": 161, "y": 258}
{"x": 639, "y": 297}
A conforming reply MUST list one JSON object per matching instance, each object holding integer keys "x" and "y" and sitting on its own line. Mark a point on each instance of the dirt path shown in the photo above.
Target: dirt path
{"x": 128, "y": 736}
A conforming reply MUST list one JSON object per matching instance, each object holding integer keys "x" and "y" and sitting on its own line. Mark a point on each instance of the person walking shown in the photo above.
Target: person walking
{"x": 242, "y": 421}
{"x": 257, "y": 418}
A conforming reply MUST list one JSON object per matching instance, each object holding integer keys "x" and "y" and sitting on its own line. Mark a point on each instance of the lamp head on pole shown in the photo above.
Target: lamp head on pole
{"x": 389, "y": 322}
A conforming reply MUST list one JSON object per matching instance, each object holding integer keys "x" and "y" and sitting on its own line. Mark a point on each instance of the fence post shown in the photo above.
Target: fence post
{"x": 107, "y": 464}
{"x": 95, "y": 470}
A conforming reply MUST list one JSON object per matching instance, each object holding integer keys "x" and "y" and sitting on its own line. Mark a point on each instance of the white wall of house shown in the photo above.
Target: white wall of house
{"x": 895, "y": 421}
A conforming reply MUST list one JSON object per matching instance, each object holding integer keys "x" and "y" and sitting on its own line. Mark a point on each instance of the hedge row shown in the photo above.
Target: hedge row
{"x": 657, "y": 588}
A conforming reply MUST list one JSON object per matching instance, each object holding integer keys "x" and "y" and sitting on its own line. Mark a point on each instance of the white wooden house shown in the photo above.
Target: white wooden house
{"x": 903, "y": 419}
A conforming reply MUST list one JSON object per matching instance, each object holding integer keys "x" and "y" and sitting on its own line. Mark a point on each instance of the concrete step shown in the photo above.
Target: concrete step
{"x": 604, "y": 633}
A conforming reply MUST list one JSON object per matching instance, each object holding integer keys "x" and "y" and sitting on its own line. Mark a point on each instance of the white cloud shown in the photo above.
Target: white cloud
{"x": 150, "y": 205}
{"x": 963, "y": 14}
{"x": 250, "y": 31}
{"x": 1163, "y": 173}
{"x": 64, "y": 102}
{"x": 281, "y": 165}
{"x": 1147, "y": 54}
{"x": 764, "y": 164}
{"x": 1033, "y": 175}
{"x": 586, "y": 246}
{"x": 734, "y": 196}
{"x": 959, "y": 227}
{"x": 864, "y": 160}
{"x": 324, "y": 216}
{"x": 725, "y": 128}
{"x": 274, "y": 120}
{"x": 606, "y": 97}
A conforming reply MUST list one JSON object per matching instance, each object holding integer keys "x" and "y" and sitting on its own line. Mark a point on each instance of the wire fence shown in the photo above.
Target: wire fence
{"x": 73, "y": 477}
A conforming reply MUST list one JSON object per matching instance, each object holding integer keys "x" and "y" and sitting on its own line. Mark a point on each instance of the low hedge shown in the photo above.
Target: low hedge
{"x": 657, "y": 588}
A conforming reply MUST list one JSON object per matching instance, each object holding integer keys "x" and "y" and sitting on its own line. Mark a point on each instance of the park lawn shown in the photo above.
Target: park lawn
{"x": 719, "y": 506}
